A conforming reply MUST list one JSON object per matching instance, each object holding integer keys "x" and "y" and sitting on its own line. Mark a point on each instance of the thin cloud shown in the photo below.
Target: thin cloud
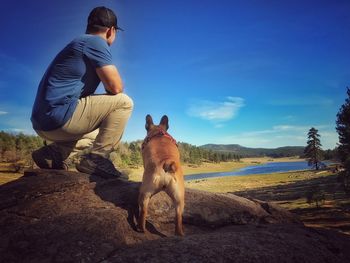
{"x": 11, "y": 66}
{"x": 290, "y": 128}
{"x": 216, "y": 111}
{"x": 221, "y": 59}
{"x": 219, "y": 125}
{"x": 25, "y": 131}
{"x": 289, "y": 118}
{"x": 285, "y": 128}
{"x": 282, "y": 135}
{"x": 16, "y": 118}
{"x": 302, "y": 101}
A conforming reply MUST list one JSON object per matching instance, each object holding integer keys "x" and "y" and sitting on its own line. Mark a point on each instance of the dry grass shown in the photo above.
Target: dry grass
{"x": 7, "y": 174}
{"x": 247, "y": 182}
{"x": 8, "y": 177}
{"x": 291, "y": 191}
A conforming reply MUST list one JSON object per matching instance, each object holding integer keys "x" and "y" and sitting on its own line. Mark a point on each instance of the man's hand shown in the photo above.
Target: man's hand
{"x": 110, "y": 78}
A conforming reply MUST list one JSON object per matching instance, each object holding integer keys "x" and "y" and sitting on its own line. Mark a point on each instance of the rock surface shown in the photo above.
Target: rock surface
{"x": 58, "y": 216}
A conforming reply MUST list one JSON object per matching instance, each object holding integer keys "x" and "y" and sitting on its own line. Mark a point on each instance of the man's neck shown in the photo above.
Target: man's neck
{"x": 100, "y": 34}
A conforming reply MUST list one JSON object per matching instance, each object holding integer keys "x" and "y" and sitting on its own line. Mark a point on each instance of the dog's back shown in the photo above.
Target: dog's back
{"x": 169, "y": 166}
{"x": 162, "y": 170}
{"x": 161, "y": 161}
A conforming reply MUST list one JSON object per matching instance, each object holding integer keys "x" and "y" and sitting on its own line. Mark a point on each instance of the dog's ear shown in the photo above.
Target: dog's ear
{"x": 149, "y": 122}
{"x": 164, "y": 122}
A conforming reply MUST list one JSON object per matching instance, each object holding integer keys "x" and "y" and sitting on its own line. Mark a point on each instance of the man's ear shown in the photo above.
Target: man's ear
{"x": 149, "y": 122}
{"x": 164, "y": 122}
{"x": 109, "y": 35}
{"x": 109, "y": 32}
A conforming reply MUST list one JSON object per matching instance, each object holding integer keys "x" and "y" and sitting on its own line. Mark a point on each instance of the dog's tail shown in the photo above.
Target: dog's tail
{"x": 169, "y": 166}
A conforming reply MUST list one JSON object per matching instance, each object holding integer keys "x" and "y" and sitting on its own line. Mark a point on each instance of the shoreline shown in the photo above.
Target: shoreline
{"x": 233, "y": 165}
{"x": 135, "y": 174}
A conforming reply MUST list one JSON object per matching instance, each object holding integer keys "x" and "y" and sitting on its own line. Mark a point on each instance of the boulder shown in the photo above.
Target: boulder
{"x": 61, "y": 216}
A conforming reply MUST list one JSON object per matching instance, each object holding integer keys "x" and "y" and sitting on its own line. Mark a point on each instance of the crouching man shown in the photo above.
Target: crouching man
{"x": 68, "y": 113}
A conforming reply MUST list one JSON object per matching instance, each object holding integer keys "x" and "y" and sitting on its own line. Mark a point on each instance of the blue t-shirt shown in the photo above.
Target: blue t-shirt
{"x": 70, "y": 76}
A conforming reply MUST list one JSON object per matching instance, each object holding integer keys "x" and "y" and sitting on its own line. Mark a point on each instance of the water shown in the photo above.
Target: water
{"x": 266, "y": 168}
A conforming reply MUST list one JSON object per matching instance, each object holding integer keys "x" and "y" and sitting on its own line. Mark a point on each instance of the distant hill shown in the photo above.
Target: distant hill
{"x": 286, "y": 151}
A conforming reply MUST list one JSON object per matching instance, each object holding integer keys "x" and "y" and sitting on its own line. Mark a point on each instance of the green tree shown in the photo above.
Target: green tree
{"x": 135, "y": 154}
{"x": 343, "y": 129}
{"x": 7, "y": 146}
{"x": 313, "y": 149}
{"x": 216, "y": 157}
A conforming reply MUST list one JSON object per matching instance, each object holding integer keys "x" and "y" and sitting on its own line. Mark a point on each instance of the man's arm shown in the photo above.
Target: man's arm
{"x": 110, "y": 78}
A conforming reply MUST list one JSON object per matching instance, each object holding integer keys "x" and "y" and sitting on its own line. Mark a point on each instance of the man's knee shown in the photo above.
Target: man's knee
{"x": 125, "y": 101}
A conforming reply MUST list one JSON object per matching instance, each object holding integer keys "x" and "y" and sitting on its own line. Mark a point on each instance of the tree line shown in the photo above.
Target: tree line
{"x": 129, "y": 155}
{"x": 17, "y": 148}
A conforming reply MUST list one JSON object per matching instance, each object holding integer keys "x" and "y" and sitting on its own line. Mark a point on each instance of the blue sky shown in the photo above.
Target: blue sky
{"x": 255, "y": 73}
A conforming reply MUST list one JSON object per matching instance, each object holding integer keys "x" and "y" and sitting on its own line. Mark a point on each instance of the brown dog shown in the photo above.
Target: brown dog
{"x": 162, "y": 171}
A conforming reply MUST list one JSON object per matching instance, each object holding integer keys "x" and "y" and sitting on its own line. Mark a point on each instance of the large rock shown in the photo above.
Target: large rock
{"x": 57, "y": 216}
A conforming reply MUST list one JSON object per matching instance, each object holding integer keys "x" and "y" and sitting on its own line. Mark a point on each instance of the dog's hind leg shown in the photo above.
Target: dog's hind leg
{"x": 178, "y": 196}
{"x": 143, "y": 201}
{"x": 179, "y": 206}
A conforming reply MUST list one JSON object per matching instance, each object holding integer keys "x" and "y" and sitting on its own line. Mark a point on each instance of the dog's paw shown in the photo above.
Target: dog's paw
{"x": 179, "y": 232}
{"x": 140, "y": 229}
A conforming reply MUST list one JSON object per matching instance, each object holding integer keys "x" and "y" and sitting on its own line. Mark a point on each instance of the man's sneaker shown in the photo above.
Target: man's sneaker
{"x": 47, "y": 158}
{"x": 95, "y": 164}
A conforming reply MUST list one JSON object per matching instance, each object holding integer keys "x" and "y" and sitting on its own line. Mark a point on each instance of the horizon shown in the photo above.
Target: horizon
{"x": 255, "y": 74}
{"x": 140, "y": 140}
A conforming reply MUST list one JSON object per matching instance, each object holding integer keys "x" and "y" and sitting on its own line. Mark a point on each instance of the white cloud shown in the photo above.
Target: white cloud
{"x": 216, "y": 111}
{"x": 3, "y": 112}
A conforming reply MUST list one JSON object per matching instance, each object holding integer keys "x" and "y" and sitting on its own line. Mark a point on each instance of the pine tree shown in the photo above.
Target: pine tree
{"x": 313, "y": 149}
{"x": 343, "y": 129}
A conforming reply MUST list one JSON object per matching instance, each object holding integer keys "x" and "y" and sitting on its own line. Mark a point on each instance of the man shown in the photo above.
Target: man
{"x": 67, "y": 113}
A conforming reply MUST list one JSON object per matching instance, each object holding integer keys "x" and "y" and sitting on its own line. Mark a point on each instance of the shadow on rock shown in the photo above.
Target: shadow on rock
{"x": 123, "y": 194}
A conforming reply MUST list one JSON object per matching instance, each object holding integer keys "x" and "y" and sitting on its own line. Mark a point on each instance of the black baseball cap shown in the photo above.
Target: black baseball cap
{"x": 104, "y": 17}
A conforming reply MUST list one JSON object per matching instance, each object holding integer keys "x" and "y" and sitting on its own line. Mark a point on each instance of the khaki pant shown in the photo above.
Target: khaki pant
{"x": 98, "y": 122}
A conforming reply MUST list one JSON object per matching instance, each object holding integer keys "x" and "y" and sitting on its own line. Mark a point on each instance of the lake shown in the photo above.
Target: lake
{"x": 266, "y": 168}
